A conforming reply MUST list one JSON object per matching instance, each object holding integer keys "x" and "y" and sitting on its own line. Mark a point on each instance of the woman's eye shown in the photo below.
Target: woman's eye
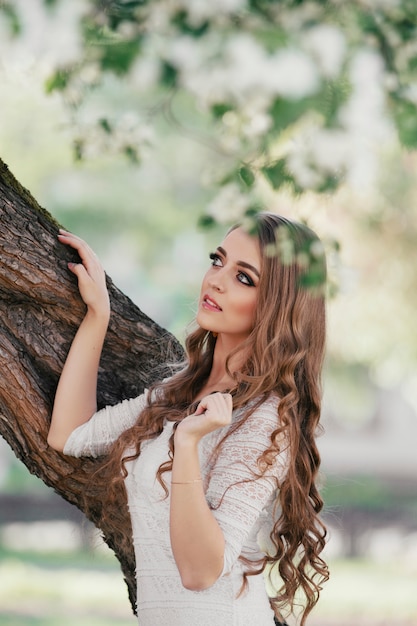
{"x": 245, "y": 279}
{"x": 216, "y": 260}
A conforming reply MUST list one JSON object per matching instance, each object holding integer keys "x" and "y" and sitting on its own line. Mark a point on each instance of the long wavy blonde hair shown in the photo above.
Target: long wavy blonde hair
{"x": 286, "y": 350}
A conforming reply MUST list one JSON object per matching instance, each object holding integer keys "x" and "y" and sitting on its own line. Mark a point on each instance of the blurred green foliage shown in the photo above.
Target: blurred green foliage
{"x": 368, "y": 493}
{"x": 289, "y": 95}
{"x": 148, "y": 81}
{"x": 176, "y": 41}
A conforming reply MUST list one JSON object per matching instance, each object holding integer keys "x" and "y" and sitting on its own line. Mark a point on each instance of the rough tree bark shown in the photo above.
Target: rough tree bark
{"x": 40, "y": 310}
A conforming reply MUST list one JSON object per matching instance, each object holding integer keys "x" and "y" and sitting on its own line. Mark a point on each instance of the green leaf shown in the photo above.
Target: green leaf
{"x": 412, "y": 64}
{"x": 330, "y": 99}
{"x": 247, "y": 176}
{"x": 50, "y": 4}
{"x": 262, "y": 7}
{"x": 286, "y": 112}
{"x": 132, "y": 154}
{"x": 105, "y": 125}
{"x": 219, "y": 109}
{"x": 405, "y": 116}
{"x": 169, "y": 74}
{"x": 313, "y": 278}
{"x": 330, "y": 183}
{"x": 276, "y": 173}
{"x": 253, "y": 210}
{"x": 12, "y": 17}
{"x": 180, "y": 20}
{"x": 118, "y": 56}
{"x": 271, "y": 36}
{"x": 327, "y": 102}
{"x": 249, "y": 222}
{"x": 206, "y": 221}
{"x": 114, "y": 53}
{"x": 78, "y": 149}
{"x": 119, "y": 11}
{"x": 58, "y": 81}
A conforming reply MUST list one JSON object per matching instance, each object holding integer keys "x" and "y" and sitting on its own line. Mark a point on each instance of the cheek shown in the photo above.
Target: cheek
{"x": 246, "y": 309}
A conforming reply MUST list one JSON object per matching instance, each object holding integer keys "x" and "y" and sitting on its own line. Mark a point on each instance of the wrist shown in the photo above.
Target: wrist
{"x": 194, "y": 481}
{"x": 99, "y": 315}
{"x": 186, "y": 440}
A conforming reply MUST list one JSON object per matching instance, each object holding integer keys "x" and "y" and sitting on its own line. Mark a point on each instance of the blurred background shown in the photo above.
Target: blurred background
{"x": 136, "y": 189}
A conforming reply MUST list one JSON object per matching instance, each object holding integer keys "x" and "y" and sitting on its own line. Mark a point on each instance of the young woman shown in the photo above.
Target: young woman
{"x": 219, "y": 462}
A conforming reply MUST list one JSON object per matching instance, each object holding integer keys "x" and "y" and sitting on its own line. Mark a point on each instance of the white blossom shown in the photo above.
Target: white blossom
{"x": 293, "y": 74}
{"x": 53, "y": 36}
{"x": 245, "y": 66}
{"x": 364, "y": 112}
{"x": 331, "y": 149}
{"x": 90, "y": 73}
{"x": 366, "y": 73}
{"x": 288, "y": 72}
{"x": 187, "y": 53}
{"x": 158, "y": 16}
{"x": 133, "y": 127}
{"x": 145, "y": 72}
{"x": 229, "y": 205}
{"x": 381, "y": 4}
{"x": 406, "y": 54}
{"x": 125, "y": 130}
{"x": 364, "y": 117}
{"x": 5, "y": 36}
{"x": 257, "y": 125}
{"x": 411, "y": 93}
{"x": 316, "y": 153}
{"x": 201, "y": 10}
{"x": 235, "y": 69}
{"x": 300, "y": 167}
{"x": 327, "y": 44}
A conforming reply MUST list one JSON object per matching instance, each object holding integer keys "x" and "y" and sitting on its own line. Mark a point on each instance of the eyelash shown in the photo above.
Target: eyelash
{"x": 248, "y": 280}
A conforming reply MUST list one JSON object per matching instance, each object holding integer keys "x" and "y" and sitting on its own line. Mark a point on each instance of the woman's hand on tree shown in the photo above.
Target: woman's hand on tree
{"x": 90, "y": 274}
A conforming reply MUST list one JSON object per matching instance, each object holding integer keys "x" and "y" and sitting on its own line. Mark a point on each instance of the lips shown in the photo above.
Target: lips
{"x": 210, "y": 304}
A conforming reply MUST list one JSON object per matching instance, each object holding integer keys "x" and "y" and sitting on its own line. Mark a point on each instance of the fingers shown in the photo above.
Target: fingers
{"x": 214, "y": 411}
{"x": 219, "y": 397}
{"x": 216, "y": 404}
{"x": 78, "y": 269}
{"x": 90, "y": 274}
{"x": 222, "y": 399}
{"x": 86, "y": 254}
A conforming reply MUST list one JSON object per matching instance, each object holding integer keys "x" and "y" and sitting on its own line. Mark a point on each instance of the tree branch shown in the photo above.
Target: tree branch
{"x": 40, "y": 310}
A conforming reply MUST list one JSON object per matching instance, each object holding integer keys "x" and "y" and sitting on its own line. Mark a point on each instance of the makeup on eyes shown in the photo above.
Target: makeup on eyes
{"x": 221, "y": 252}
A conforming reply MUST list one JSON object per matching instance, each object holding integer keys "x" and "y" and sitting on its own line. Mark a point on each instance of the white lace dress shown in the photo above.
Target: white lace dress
{"x": 243, "y": 511}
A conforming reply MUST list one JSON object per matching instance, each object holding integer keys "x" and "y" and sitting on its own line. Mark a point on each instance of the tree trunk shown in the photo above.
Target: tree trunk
{"x": 40, "y": 312}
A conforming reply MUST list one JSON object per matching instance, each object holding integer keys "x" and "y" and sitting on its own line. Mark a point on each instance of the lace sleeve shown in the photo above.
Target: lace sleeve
{"x": 95, "y": 437}
{"x": 236, "y": 496}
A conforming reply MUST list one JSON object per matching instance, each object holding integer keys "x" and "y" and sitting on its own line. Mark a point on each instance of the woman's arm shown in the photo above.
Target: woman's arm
{"x": 75, "y": 399}
{"x": 197, "y": 540}
{"x": 234, "y": 499}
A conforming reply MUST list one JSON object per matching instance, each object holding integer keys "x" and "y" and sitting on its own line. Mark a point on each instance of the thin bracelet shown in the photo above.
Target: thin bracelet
{"x": 186, "y": 482}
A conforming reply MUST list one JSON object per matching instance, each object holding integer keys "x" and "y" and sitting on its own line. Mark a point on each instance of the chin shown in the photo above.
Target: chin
{"x": 203, "y": 324}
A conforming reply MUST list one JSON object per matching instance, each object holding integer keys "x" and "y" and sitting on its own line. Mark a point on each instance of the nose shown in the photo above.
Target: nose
{"x": 216, "y": 283}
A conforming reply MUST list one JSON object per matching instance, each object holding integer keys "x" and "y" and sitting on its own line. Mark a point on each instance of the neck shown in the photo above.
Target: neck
{"x": 218, "y": 374}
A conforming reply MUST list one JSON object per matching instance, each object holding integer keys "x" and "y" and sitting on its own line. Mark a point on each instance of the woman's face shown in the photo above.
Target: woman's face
{"x": 230, "y": 288}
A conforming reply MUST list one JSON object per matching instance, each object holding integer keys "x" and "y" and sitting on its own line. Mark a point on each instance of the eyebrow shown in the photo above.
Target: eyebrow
{"x": 241, "y": 263}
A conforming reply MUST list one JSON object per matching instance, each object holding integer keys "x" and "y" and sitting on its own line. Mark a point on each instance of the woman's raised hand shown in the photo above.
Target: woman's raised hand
{"x": 90, "y": 274}
{"x": 75, "y": 399}
{"x": 213, "y": 411}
